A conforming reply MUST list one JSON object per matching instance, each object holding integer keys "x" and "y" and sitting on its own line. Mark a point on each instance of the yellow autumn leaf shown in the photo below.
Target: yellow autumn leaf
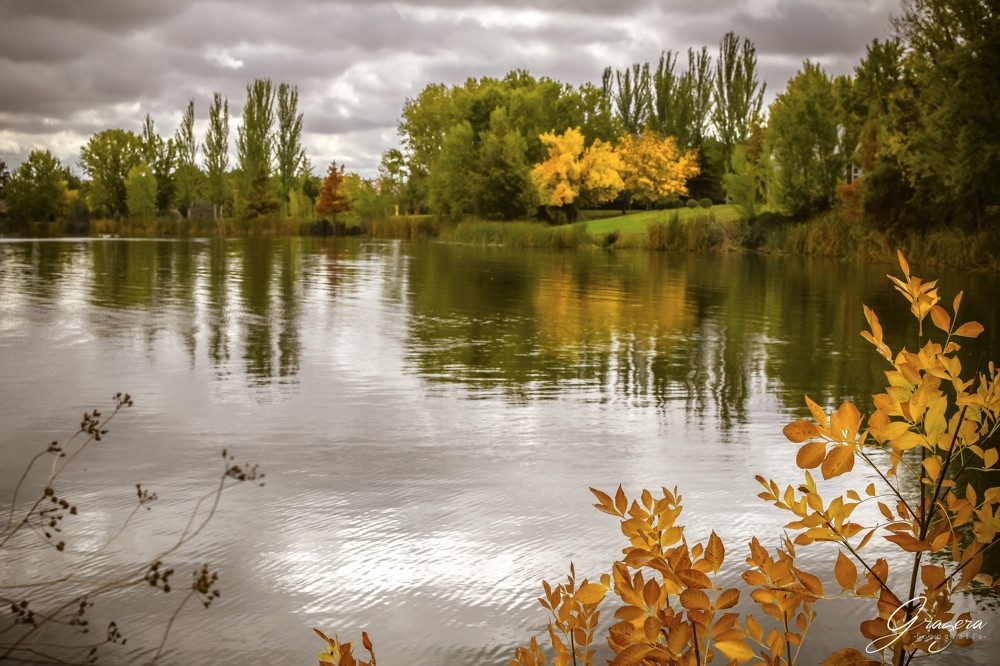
{"x": 727, "y": 599}
{"x": 839, "y": 460}
{"x": 933, "y": 467}
{"x": 845, "y": 571}
{"x": 591, "y": 593}
{"x": 800, "y": 431}
{"x": 737, "y": 650}
{"x": 693, "y": 599}
{"x": 715, "y": 551}
{"x": 907, "y": 441}
{"x": 817, "y": 412}
{"x": 970, "y": 329}
{"x": 940, "y": 318}
{"x": 908, "y": 542}
{"x": 811, "y": 455}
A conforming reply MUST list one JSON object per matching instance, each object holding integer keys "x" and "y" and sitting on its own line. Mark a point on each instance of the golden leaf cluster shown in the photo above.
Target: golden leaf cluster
{"x": 653, "y": 167}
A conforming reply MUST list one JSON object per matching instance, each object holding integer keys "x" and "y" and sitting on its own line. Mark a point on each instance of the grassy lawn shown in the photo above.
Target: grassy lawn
{"x": 638, "y": 221}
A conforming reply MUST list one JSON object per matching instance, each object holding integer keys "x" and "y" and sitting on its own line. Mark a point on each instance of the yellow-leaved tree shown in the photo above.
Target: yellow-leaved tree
{"x": 653, "y": 167}
{"x": 572, "y": 177}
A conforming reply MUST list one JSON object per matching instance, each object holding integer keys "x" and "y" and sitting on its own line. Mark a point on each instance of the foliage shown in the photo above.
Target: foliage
{"x": 50, "y": 605}
{"x": 571, "y": 176}
{"x": 652, "y": 167}
{"x": 931, "y": 428}
{"x": 37, "y": 189}
{"x": 107, "y": 158}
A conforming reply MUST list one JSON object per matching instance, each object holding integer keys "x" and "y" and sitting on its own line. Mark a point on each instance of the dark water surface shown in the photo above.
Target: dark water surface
{"x": 429, "y": 418}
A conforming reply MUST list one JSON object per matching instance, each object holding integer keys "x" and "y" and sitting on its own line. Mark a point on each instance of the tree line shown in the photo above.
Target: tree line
{"x": 910, "y": 139}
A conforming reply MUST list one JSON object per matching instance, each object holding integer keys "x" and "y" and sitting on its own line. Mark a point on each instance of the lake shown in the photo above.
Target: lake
{"x": 429, "y": 418}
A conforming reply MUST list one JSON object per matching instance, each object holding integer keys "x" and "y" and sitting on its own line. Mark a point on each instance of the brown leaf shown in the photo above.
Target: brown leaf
{"x": 693, "y": 599}
{"x": 727, "y": 599}
{"x": 800, "y": 431}
{"x": 845, "y": 571}
{"x": 715, "y": 551}
{"x": 694, "y": 579}
{"x": 848, "y": 657}
{"x": 908, "y": 542}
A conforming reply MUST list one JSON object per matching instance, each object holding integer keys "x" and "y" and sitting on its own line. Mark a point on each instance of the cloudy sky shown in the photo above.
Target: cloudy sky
{"x": 71, "y": 68}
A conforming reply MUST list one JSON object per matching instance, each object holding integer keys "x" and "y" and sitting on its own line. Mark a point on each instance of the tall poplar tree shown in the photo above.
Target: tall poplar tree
{"x": 161, "y": 158}
{"x": 187, "y": 176}
{"x": 216, "y": 150}
{"x": 289, "y": 154}
{"x": 631, "y": 96}
{"x": 255, "y": 148}
{"x": 739, "y": 96}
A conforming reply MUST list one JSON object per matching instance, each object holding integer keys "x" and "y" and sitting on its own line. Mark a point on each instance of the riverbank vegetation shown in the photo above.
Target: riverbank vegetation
{"x": 928, "y": 441}
{"x": 892, "y": 155}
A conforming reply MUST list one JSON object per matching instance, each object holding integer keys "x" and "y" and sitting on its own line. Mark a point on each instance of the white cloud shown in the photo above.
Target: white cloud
{"x": 223, "y": 59}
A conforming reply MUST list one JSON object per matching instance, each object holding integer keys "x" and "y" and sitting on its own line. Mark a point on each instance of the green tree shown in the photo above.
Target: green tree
{"x": 289, "y": 154}
{"x": 501, "y": 183}
{"x": 364, "y": 199}
{"x": 161, "y": 157}
{"x": 449, "y": 187}
{"x": 106, "y": 159}
{"x": 255, "y": 148}
{"x": 738, "y": 95}
{"x": 36, "y": 191}
{"x": 141, "y": 188}
{"x": 946, "y": 112}
{"x": 597, "y": 120}
{"x": 187, "y": 176}
{"x": 4, "y": 176}
{"x": 216, "y": 150}
{"x": 803, "y": 134}
{"x": 184, "y": 139}
{"x": 631, "y": 96}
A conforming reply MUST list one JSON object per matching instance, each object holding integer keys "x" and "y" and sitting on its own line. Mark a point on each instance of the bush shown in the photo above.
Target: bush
{"x": 691, "y": 203}
{"x": 705, "y": 203}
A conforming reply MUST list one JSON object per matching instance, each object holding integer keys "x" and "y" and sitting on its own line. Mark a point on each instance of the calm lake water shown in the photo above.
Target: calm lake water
{"x": 429, "y": 418}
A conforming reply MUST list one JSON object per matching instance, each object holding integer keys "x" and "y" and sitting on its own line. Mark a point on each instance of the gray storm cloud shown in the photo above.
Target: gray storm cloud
{"x": 70, "y": 69}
